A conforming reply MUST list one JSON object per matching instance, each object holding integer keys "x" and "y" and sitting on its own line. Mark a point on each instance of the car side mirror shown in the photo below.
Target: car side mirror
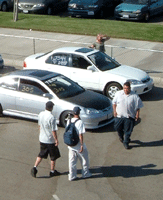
{"x": 47, "y": 95}
{"x": 91, "y": 68}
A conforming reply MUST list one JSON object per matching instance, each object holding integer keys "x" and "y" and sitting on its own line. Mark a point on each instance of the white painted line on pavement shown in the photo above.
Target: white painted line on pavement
{"x": 55, "y": 197}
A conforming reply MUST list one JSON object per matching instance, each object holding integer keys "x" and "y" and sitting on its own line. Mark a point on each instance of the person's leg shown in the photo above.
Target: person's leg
{"x": 118, "y": 126}
{"x": 38, "y": 160}
{"x": 53, "y": 165}
{"x": 128, "y": 128}
{"x": 84, "y": 159}
{"x": 34, "y": 169}
{"x": 72, "y": 165}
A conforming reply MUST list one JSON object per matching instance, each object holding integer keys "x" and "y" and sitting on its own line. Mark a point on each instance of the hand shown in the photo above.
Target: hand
{"x": 81, "y": 149}
{"x": 115, "y": 114}
{"x": 56, "y": 143}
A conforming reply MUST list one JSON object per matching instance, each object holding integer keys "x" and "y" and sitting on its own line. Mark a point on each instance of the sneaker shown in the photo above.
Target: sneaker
{"x": 55, "y": 173}
{"x": 34, "y": 172}
{"x": 126, "y": 145}
{"x": 75, "y": 179}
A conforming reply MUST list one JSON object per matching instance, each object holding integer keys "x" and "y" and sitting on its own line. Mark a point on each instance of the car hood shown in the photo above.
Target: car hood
{"x": 31, "y": 1}
{"x": 90, "y": 99}
{"x": 128, "y": 72}
{"x": 129, "y": 7}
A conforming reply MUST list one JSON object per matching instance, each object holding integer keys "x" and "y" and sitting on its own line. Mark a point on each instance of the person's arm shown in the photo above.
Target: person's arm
{"x": 55, "y": 137}
{"x": 114, "y": 110}
{"x": 81, "y": 142}
{"x": 137, "y": 114}
{"x": 105, "y": 37}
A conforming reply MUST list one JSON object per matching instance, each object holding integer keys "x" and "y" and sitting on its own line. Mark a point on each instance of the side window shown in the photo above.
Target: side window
{"x": 31, "y": 87}
{"x": 9, "y": 83}
{"x": 59, "y": 59}
{"x": 79, "y": 62}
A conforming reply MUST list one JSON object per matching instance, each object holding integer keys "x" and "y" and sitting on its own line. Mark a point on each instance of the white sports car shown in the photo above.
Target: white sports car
{"x": 92, "y": 69}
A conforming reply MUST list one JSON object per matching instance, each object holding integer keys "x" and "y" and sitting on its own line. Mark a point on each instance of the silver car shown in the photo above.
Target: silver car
{"x": 1, "y": 62}
{"x": 24, "y": 94}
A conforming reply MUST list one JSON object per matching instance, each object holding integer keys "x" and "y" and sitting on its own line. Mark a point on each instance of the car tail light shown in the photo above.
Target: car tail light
{"x": 24, "y": 64}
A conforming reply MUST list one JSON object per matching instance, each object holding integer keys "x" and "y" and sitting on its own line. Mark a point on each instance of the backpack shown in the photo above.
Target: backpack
{"x": 70, "y": 136}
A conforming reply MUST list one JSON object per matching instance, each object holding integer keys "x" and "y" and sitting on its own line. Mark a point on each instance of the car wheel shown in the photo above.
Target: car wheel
{"x": 147, "y": 16}
{"x": 49, "y": 11}
{"x": 111, "y": 89}
{"x": 1, "y": 110}
{"x": 65, "y": 116}
{"x": 4, "y": 7}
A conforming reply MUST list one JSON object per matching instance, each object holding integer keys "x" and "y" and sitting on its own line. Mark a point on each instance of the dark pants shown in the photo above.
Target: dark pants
{"x": 124, "y": 127}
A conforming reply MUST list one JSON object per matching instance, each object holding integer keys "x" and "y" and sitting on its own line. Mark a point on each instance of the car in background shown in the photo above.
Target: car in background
{"x": 6, "y": 5}
{"x": 42, "y": 6}
{"x": 1, "y": 62}
{"x": 89, "y": 8}
{"x": 24, "y": 94}
{"x": 138, "y": 9}
{"x": 91, "y": 69}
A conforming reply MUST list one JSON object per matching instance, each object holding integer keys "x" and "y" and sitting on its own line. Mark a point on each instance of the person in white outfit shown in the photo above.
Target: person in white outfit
{"x": 78, "y": 151}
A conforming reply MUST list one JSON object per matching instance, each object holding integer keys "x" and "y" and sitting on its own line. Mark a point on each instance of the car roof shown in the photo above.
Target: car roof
{"x": 80, "y": 50}
{"x": 34, "y": 73}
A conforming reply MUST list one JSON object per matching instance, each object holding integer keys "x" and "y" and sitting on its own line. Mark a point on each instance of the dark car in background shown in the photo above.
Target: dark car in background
{"x": 90, "y": 8}
{"x": 6, "y": 5}
{"x": 42, "y": 6}
{"x": 138, "y": 9}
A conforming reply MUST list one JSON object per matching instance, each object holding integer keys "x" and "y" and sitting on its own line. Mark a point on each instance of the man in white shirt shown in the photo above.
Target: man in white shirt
{"x": 126, "y": 108}
{"x": 79, "y": 150}
{"x": 48, "y": 140}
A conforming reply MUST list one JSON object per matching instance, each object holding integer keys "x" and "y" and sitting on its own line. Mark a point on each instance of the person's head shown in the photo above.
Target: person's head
{"x": 76, "y": 110}
{"x": 49, "y": 106}
{"x": 127, "y": 88}
{"x": 99, "y": 37}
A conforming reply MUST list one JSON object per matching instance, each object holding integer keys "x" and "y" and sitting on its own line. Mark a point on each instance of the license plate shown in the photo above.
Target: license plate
{"x": 126, "y": 16}
{"x": 90, "y": 13}
{"x": 25, "y": 11}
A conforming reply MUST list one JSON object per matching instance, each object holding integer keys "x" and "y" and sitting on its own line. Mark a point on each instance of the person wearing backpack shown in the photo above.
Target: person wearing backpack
{"x": 79, "y": 150}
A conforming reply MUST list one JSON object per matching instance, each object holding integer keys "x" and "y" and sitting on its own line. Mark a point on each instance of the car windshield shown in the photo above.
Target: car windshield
{"x": 63, "y": 87}
{"x": 143, "y": 2}
{"x": 103, "y": 62}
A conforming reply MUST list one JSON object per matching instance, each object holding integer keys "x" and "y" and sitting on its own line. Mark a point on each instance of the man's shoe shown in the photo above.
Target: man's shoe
{"x": 34, "y": 172}
{"x": 75, "y": 179}
{"x": 55, "y": 173}
{"x": 126, "y": 145}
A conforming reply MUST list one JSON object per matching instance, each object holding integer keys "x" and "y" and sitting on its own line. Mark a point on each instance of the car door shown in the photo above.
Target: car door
{"x": 154, "y": 7}
{"x": 30, "y": 101}
{"x": 8, "y": 93}
{"x": 59, "y": 62}
{"x": 82, "y": 75}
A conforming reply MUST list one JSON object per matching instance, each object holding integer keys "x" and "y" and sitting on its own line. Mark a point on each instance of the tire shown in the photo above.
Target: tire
{"x": 111, "y": 89}
{"x": 147, "y": 16}
{"x": 4, "y": 7}
{"x": 65, "y": 116}
{"x": 49, "y": 11}
{"x": 1, "y": 110}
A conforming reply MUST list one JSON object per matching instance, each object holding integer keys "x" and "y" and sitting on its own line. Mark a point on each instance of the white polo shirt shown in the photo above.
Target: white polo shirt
{"x": 47, "y": 124}
{"x": 127, "y": 105}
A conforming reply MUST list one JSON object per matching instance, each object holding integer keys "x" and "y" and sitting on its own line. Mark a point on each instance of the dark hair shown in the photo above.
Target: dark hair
{"x": 127, "y": 84}
{"x": 49, "y": 105}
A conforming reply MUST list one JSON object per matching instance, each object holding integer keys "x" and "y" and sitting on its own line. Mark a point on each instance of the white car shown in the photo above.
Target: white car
{"x": 91, "y": 69}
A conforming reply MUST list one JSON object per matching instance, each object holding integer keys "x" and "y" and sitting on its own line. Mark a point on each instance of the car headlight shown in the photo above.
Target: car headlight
{"x": 137, "y": 12}
{"x": 72, "y": 5}
{"x": 39, "y": 5}
{"x": 134, "y": 82}
{"x": 90, "y": 111}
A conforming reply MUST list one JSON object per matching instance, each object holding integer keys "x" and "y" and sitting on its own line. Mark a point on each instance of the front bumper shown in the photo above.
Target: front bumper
{"x": 143, "y": 88}
{"x": 26, "y": 10}
{"x": 82, "y": 13}
{"x": 97, "y": 120}
{"x": 129, "y": 16}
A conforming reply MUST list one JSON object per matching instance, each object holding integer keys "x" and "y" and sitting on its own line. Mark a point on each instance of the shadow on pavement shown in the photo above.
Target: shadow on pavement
{"x": 138, "y": 143}
{"x": 156, "y": 94}
{"x": 125, "y": 171}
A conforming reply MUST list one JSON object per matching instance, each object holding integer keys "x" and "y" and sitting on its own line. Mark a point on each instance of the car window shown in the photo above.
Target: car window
{"x": 58, "y": 59}
{"x": 9, "y": 83}
{"x": 63, "y": 87}
{"x": 103, "y": 62}
{"x": 79, "y": 62}
{"x": 31, "y": 87}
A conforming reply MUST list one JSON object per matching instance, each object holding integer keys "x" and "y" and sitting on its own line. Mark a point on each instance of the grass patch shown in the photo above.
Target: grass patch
{"x": 113, "y": 28}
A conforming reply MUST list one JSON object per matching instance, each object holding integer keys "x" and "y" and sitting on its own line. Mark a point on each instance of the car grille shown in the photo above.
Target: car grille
{"x": 25, "y": 6}
{"x": 146, "y": 80}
